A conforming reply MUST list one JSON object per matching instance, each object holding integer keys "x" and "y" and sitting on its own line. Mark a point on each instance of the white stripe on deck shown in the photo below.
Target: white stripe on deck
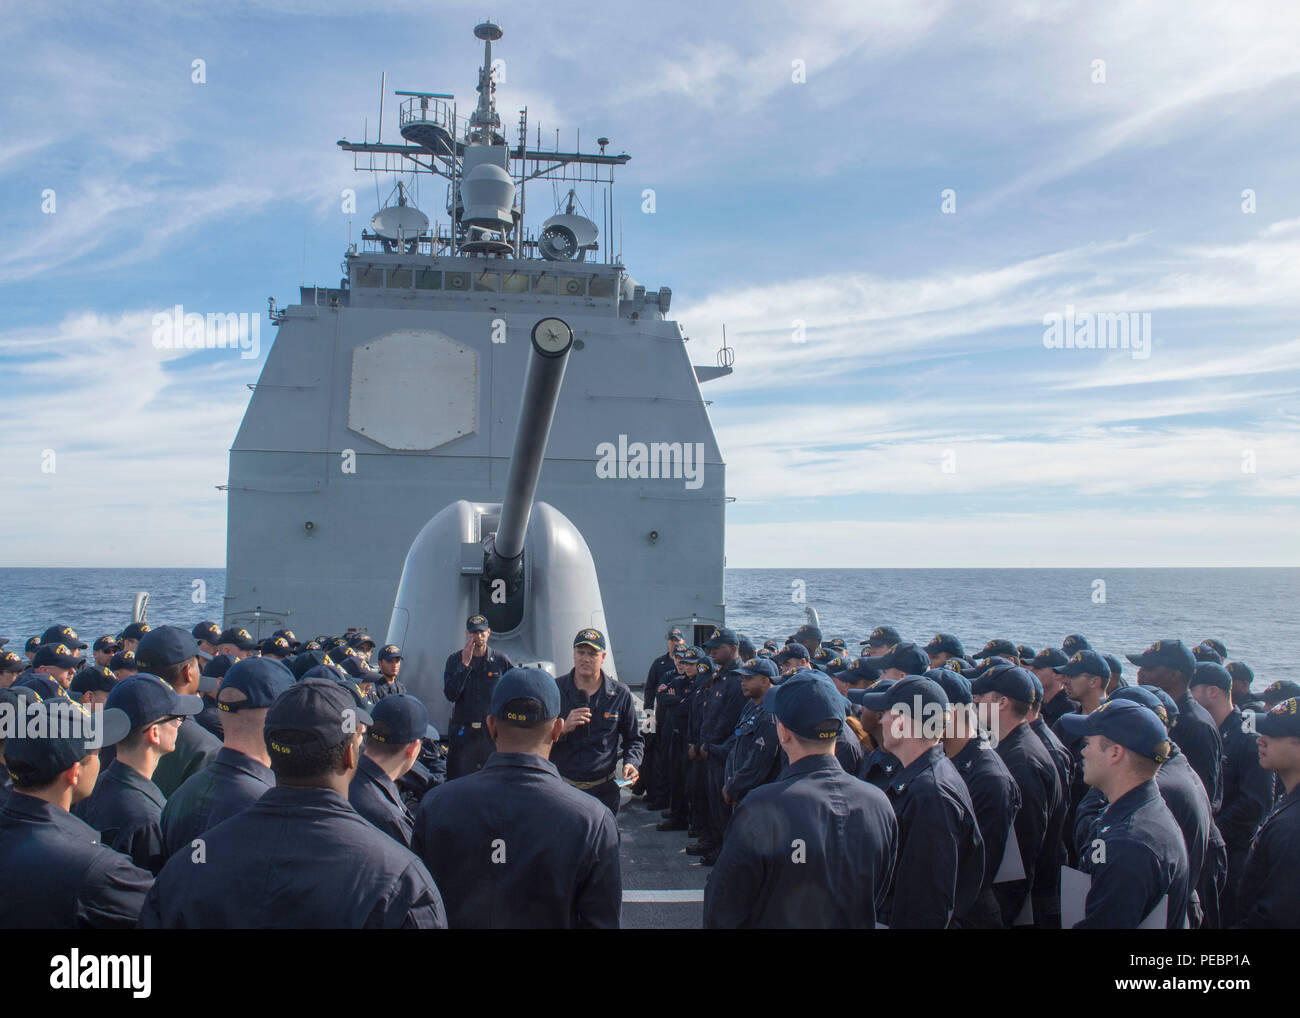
{"x": 646, "y": 897}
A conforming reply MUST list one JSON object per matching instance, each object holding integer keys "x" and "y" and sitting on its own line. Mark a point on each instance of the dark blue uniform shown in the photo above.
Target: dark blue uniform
{"x": 1198, "y": 737}
{"x": 755, "y": 757}
{"x": 849, "y": 751}
{"x": 469, "y": 688}
{"x": 1046, "y": 891}
{"x": 1247, "y": 798}
{"x": 591, "y": 752}
{"x": 721, "y": 713}
{"x": 1145, "y": 859}
{"x": 82, "y": 884}
{"x": 1041, "y": 800}
{"x": 656, "y": 768}
{"x": 126, "y": 808}
{"x": 996, "y": 798}
{"x": 516, "y": 847}
{"x": 672, "y": 715}
{"x": 229, "y": 785}
{"x": 814, "y": 849}
{"x": 210, "y": 718}
{"x": 1269, "y": 893}
{"x": 1059, "y": 704}
{"x": 879, "y": 767}
{"x": 196, "y": 747}
{"x": 374, "y": 795}
{"x": 383, "y": 689}
{"x": 298, "y": 858}
{"x": 697, "y": 788}
{"x": 940, "y": 848}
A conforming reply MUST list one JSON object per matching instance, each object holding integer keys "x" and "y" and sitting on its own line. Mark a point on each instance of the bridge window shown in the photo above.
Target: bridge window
{"x": 602, "y": 288}
{"x": 489, "y": 281}
{"x": 543, "y": 284}
{"x": 428, "y": 279}
{"x": 515, "y": 282}
{"x": 399, "y": 279}
{"x": 369, "y": 275}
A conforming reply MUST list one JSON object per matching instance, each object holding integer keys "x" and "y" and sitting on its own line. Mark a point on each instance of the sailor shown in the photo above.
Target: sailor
{"x": 657, "y": 764}
{"x": 126, "y": 806}
{"x": 515, "y": 845}
{"x": 390, "y": 663}
{"x": 672, "y": 716}
{"x": 91, "y": 685}
{"x": 82, "y": 883}
{"x": 1247, "y": 787}
{"x": 1218, "y": 646}
{"x": 11, "y": 666}
{"x": 207, "y": 635}
{"x": 1206, "y": 654}
{"x": 1046, "y": 891}
{"x": 173, "y": 655}
{"x": 900, "y": 661}
{"x": 66, "y": 635}
{"x": 721, "y": 713}
{"x": 103, "y": 650}
{"x": 211, "y": 717}
{"x": 1169, "y": 665}
{"x": 237, "y": 642}
{"x": 133, "y": 634}
{"x": 942, "y": 647}
{"x": 122, "y": 664}
{"x": 301, "y": 856}
{"x": 1086, "y": 675}
{"x": 878, "y": 764}
{"x": 1184, "y": 795}
{"x": 792, "y": 657}
{"x": 58, "y": 661}
{"x": 1242, "y": 678}
{"x": 467, "y": 681}
{"x": 1269, "y": 893}
{"x": 31, "y": 647}
{"x": 393, "y": 743}
{"x": 813, "y": 849}
{"x": 880, "y": 640}
{"x": 755, "y": 757}
{"x": 1024, "y": 653}
{"x": 364, "y": 644}
{"x": 940, "y": 866}
{"x": 1056, "y": 700}
{"x": 1009, "y": 692}
{"x": 241, "y": 771}
{"x": 600, "y": 724}
{"x": 697, "y": 795}
{"x": 293, "y": 641}
{"x": 1136, "y": 854}
{"x": 994, "y": 793}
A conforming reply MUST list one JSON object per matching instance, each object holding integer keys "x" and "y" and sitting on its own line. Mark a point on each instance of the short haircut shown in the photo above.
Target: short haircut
{"x": 810, "y": 745}
{"x": 523, "y": 705}
{"x": 173, "y": 674}
{"x": 306, "y": 764}
{"x": 384, "y": 750}
{"x": 23, "y": 778}
{"x": 1144, "y": 767}
{"x": 1019, "y": 708}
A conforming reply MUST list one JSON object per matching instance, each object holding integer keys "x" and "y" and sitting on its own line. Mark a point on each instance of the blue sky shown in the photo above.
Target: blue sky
{"x": 776, "y": 201}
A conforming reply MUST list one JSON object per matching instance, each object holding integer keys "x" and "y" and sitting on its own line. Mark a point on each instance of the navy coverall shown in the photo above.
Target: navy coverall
{"x": 469, "y": 688}
{"x": 229, "y": 785}
{"x": 591, "y": 752}
{"x": 1269, "y": 893}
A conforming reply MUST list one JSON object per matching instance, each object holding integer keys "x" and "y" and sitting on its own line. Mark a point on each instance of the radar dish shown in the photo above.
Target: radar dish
{"x": 399, "y": 222}
{"x": 565, "y": 236}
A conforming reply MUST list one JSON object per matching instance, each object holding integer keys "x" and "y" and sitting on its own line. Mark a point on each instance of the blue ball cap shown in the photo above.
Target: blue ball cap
{"x": 258, "y": 680}
{"x": 44, "y": 686}
{"x": 58, "y": 655}
{"x": 1115, "y": 664}
{"x": 808, "y": 632}
{"x": 809, "y": 706}
{"x": 722, "y": 637}
{"x": 1038, "y": 687}
{"x": 323, "y": 712}
{"x": 906, "y": 691}
{"x": 63, "y": 634}
{"x": 1074, "y": 643}
{"x": 400, "y": 719}
{"x": 214, "y": 671}
{"x": 1240, "y": 672}
{"x": 945, "y": 643}
{"x": 1281, "y": 721}
{"x": 1282, "y": 689}
{"x": 793, "y": 652}
{"x": 68, "y": 733}
{"x": 1169, "y": 654}
{"x": 145, "y": 698}
{"x": 1130, "y": 724}
{"x": 1048, "y": 657}
{"x": 92, "y": 679}
{"x": 1085, "y": 662}
{"x": 592, "y": 638}
{"x": 390, "y": 652}
{"x": 1008, "y": 680}
{"x": 525, "y": 694}
{"x": 477, "y": 624}
{"x": 759, "y": 666}
{"x": 1204, "y": 652}
{"x": 908, "y": 658}
{"x": 1210, "y": 673}
{"x": 997, "y": 648}
{"x": 882, "y": 636}
{"x": 857, "y": 696}
{"x": 956, "y": 687}
{"x": 1148, "y": 697}
{"x": 163, "y": 647}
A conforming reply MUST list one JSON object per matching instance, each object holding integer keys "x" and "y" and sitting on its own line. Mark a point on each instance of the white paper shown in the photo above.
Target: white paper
{"x": 1075, "y": 886}
{"x": 1012, "y": 866}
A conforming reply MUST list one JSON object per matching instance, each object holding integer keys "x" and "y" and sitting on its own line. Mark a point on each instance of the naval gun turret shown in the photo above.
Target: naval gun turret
{"x": 519, "y": 562}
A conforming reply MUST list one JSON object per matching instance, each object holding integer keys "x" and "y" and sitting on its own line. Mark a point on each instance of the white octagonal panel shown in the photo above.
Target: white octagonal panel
{"x": 413, "y": 389}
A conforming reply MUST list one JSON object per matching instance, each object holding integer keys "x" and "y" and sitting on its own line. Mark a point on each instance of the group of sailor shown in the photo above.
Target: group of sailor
{"x": 998, "y": 776}
{"x": 204, "y": 779}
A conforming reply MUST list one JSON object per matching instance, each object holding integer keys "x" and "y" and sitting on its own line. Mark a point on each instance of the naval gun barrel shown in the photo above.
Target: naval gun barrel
{"x": 552, "y": 341}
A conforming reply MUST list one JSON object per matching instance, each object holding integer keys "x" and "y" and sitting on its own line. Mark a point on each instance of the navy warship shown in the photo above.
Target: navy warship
{"x": 402, "y": 391}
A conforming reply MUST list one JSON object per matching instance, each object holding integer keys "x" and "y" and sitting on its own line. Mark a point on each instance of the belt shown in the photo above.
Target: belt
{"x": 586, "y": 786}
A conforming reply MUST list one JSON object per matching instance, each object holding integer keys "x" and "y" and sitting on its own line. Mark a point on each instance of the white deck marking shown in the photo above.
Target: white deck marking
{"x": 644, "y": 897}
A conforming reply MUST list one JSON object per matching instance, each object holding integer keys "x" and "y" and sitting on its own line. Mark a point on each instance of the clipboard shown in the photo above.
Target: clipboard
{"x": 1075, "y": 885}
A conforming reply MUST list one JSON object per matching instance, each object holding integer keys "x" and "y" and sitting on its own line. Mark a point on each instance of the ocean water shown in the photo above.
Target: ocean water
{"x": 1253, "y": 611}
